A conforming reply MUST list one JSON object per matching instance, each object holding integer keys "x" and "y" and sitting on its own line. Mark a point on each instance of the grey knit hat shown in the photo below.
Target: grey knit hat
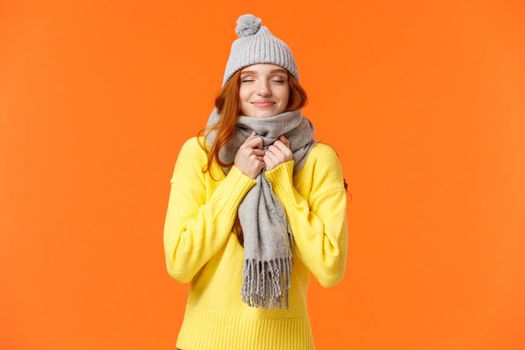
{"x": 257, "y": 44}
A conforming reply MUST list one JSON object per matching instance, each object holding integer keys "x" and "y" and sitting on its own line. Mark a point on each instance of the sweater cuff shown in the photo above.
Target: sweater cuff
{"x": 232, "y": 190}
{"x": 281, "y": 178}
{"x": 238, "y": 175}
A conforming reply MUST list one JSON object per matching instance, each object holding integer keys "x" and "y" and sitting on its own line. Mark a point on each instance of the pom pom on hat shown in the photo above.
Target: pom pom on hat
{"x": 256, "y": 44}
{"x": 247, "y": 25}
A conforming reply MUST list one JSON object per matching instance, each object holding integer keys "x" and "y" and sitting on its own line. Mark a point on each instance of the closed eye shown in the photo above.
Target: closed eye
{"x": 275, "y": 81}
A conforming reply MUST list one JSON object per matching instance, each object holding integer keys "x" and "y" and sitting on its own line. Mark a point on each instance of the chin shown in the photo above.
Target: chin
{"x": 264, "y": 114}
{"x": 261, "y": 112}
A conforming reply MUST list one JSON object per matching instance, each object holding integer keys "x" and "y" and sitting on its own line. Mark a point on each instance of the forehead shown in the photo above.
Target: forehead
{"x": 263, "y": 68}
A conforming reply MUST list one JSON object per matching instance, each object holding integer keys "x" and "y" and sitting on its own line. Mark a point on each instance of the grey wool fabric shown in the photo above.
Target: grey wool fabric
{"x": 268, "y": 238}
{"x": 256, "y": 44}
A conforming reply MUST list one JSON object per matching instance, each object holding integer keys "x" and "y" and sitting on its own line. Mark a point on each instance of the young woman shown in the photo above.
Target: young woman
{"x": 256, "y": 204}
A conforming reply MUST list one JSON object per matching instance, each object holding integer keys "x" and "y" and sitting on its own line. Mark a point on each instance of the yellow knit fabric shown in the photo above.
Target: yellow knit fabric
{"x": 201, "y": 247}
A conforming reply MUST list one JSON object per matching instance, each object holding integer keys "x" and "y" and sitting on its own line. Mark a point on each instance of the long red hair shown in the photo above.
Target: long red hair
{"x": 229, "y": 106}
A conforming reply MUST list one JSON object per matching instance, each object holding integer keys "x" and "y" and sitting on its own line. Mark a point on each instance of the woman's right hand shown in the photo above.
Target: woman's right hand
{"x": 250, "y": 156}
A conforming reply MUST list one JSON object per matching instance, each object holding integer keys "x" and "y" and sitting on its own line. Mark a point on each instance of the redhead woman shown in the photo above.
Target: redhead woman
{"x": 256, "y": 206}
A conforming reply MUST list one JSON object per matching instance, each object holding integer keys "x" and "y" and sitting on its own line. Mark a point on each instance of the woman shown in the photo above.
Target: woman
{"x": 255, "y": 205}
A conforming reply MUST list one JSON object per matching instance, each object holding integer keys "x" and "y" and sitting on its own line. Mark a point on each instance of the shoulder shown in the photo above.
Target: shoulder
{"x": 189, "y": 164}
{"x": 193, "y": 143}
{"x": 325, "y": 167}
{"x": 191, "y": 155}
{"x": 323, "y": 157}
{"x": 193, "y": 148}
{"x": 322, "y": 149}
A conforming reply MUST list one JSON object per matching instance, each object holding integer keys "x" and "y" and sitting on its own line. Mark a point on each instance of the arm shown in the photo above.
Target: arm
{"x": 194, "y": 230}
{"x": 319, "y": 226}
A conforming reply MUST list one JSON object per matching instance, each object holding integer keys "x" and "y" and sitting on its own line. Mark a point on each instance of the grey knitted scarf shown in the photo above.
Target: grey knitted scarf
{"x": 268, "y": 239}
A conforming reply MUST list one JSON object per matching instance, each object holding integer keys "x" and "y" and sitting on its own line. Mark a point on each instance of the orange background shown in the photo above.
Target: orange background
{"x": 423, "y": 101}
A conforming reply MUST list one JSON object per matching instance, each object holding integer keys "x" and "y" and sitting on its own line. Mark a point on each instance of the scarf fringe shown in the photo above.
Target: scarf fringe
{"x": 266, "y": 283}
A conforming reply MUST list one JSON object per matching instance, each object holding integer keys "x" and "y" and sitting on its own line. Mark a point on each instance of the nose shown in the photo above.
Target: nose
{"x": 263, "y": 88}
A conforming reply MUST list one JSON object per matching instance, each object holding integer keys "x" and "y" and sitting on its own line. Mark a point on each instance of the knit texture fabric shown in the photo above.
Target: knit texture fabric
{"x": 256, "y": 44}
{"x": 268, "y": 238}
{"x": 202, "y": 251}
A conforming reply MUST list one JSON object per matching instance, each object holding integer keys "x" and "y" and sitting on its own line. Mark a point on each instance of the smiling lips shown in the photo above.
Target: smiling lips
{"x": 263, "y": 103}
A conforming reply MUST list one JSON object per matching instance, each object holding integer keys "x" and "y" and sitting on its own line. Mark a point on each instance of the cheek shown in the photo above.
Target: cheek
{"x": 244, "y": 94}
{"x": 284, "y": 94}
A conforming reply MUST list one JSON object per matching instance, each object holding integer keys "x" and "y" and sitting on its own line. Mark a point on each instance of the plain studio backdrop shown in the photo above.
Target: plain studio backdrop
{"x": 423, "y": 101}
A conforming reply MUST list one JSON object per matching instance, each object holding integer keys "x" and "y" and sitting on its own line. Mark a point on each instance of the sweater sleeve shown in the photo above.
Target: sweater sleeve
{"x": 195, "y": 229}
{"x": 319, "y": 225}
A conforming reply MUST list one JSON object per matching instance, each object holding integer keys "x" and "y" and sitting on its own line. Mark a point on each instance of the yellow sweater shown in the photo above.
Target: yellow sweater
{"x": 200, "y": 246}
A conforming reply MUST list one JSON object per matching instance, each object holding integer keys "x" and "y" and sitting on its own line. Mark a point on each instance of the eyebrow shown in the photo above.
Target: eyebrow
{"x": 280, "y": 70}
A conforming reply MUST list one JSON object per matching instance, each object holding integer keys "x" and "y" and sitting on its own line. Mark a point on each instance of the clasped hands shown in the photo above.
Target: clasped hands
{"x": 251, "y": 159}
{"x": 277, "y": 153}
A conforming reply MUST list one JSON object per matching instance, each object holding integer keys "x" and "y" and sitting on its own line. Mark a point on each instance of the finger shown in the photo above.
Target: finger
{"x": 280, "y": 150}
{"x": 271, "y": 158}
{"x": 252, "y": 134}
{"x": 254, "y": 142}
{"x": 284, "y": 139}
{"x": 281, "y": 146}
{"x": 267, "y": 160}
{"x": 274, "y": 150}
{"x": 258, "y": 152}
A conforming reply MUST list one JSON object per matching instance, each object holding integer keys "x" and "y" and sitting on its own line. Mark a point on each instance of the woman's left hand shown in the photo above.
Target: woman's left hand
{"x": 279, "y": 152}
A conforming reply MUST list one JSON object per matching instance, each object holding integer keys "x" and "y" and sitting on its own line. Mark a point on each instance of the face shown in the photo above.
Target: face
{"x": 264, "y": 90}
